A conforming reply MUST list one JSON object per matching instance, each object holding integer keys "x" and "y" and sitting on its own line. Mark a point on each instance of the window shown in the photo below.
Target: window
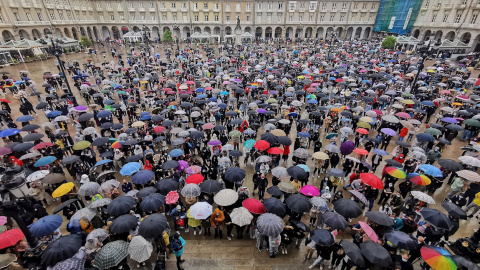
{"x": 342, "y": 18}
{"x": 216, "y": 6}
{"x": 101, "y": 18}
{"x": 364, "y": 6}
{"x": 355, "y": 5}
{"x": 445, "y": 18}
{"x": 132, "y": 15}
{"x": 205, "y": 5}
{"x": 290, "y": 18}
{"x": 374, "y": 6}
{"x": 17, "y": 17}
{"x": 259, "y": 5}
{"x": 162, "y": 6}
{"x": 174, "y": 18}
{"x": 270, "y": 6}
{"x": 56, "y": 2}
{"x": 434, "y": 17}
{"x": 98, "y": 5}
{"x": 227, "y": 6}
{"x": 130, "y": 4}
{"x": 153, "y": 16}
{"x": 122, "y": 17}
{"x": 300, "y": 18}
{"x": 112, "y": 18}
{"x": 310, "y": 18}
{"x": 313, "y": 6}
{"x": 52, "y": 16}
{"x": 164, "y": 18}
{"x": 227, "y": 18}
{"x": 474, "y": 18}
{"x": 457, "y": 18}
{"x": 109, "y": 5}
{"x": 259, "y": 18}
{"x": 195, "y": 6}
{"x": 248, "y": 18}
{"x": 184, "y": 5}
{"x": 65, "y": 2}
{"x": 206, "y": 18}
{"x": 427, "y": 3}
{"x": 29, "y": 16}
{"x": 174, "y": 5}
{"x": 324, "y": 6}
{"x": 334, "y": 6}
{"x": 140, "y": 4}
{"x": 302, "y": 5}
{"x": 332, "y": 18}
{"x": 196, "y": 18}
{"x": 151, "y": 5}
{"x": 216, "y": 18}
{"x": 143, "y": 16}
{"x": 119, "y": 6}
{"x": 237, "y": 7}
{"x": 39, "y": 15}
{"x": 280, "y": 6}
{"x": 248, "y": 7}
{"x": 60, "y": 14}
{"x": 344, "y": 7}
{"x": 291, "y": 6}
{"x": 185, "y": 19}
{"x": 464, "y": 2}
{"x": 1, "y": 18}
{"x": 322, "y": 18}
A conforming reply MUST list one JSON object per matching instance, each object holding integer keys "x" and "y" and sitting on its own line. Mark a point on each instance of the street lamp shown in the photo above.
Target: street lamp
{"x": 425, "y": 52}
{"x": 57, "y": 52}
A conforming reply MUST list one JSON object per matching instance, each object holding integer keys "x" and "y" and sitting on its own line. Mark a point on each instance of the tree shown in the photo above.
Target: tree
{"x": 389, "y": 42}
{"x": 167, "y": 36}
{"x": 85, "y": 42}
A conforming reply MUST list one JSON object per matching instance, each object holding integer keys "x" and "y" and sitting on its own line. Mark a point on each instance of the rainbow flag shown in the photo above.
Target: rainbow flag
{"x": 254, "y": 84}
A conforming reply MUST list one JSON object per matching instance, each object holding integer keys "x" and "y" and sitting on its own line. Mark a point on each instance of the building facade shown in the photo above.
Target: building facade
{"x": 101, "y": 19}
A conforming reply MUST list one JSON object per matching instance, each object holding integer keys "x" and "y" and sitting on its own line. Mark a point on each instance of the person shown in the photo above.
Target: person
{"x": 217, "y": 219}
{"x": 178, "y": 245}
{"x": 297, "y": 185}
{"x": 274, "y": 242}
{"x": 262, "y": 185}
{"x": 405, "y": 264}
{"x": 126, "y": 186}
{"x": 194, "y": 223}
{"x": 371, "y": 194}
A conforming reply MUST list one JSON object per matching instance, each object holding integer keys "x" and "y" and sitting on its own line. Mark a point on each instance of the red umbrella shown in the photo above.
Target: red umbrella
{"x": 371, "y": 180}
{"x": 253, "y": 205}
{"x": 339, "y": 80}
{"x": 275, "y": 151}
{"x": 362, "y": 131}
{"x": 10, "y": 238}
{"x": 43, "y": 145}
{"x": 159, "y": 129}
{"x": 5, "y": 100}
{"x": 369, "y": 231}
{"x": 195, "y": 179}
{"x": 378, "y": 112}
{"x": 361, "y": 151}
{"x": 262, "y": 145}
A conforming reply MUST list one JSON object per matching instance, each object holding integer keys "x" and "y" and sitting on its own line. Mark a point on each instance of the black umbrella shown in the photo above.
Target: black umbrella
{"x": 153, "y": 226}
{"x": 170, "y": 164}
{"x": 270, "y": 138}
{"x": 444, "y": 141}
{"x": 21, "y": 147}
{"x": 164, "y": 186}
{"x": 454, "y": 210}
{"x": 100, "y": 141}
{"x": 123, "y": 224}
{"x": 210, "y": 186}
{"x": 298, "y": 203}
{"x": 300, "y": 225}
{"x": 274, "y": 191}
{"x": 425, "y": 137}
{"x": 235, "y": 153}
{"x": 131, "y": 142}
{"x": 401, "y": 240}
{"x": 41, "y": 105}
{"x": 121, "y": 205}
{"x": 459, "y": 260}
{"x": 167, "y": 123}
{"x": 353, "y": 252}
{"x": 85, "y": 117}
{"x": 61, "y": 249}
{"x": 117, "y": 126}
{"x": 275, "y": 206}
{"x": 284, "y": 140}
{"x": 334, "y": 220}
{"x": 393, "y": 163}
{"x": 134, "y": 158}
{"x": 63, "y": 205}
{"x": 196, "y": 135}
{"x": 297, "y": 172}
{"x": 376, "y": 254}
{"x": 70, "y": 159}
{"x": 220, "y": 128}
{"x": 30, "y": 127}
{"x": 322, "y": 237}
{"x": 436, "y": 218}
{"x": 152, "y": 202}
{"x": 403, "y": 144}
{"x": 450, "y": 165}
{"x": 235, "y": 174}
{"x": 106, "y": 125}
{"x": 144, "y": 192}
{"x": 107, "y": 154}
{"x": 379, "y": 218}
{"x": 32, "y": 137}
{"x": 347, "y": 208}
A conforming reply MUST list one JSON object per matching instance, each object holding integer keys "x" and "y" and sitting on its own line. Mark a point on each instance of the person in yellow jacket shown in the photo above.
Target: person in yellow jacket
{"x": 475, "y": 204}
{"x": 217, "y": 219}
{"x": 194, "y": 223}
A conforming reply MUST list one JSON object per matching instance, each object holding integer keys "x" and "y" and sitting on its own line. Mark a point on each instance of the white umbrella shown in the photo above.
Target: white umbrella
{"x": 262, "y": 159}
{"x": 89, "y": 131}
{"x": 201, "y": 210}
{"x": 469, "y": 175}
{"x": 226, "y": 197}
{"x": 469, "y": 160}
{"x": 423, "y": 197}
{"x": 37, "y": 175}
{"x": 84, "y": 212}
{"x": 280, "y": 172}
{"x": 100, "y": 203}
{"x": 140, "y": 249}
{"x": 241, "y": 216}
{"x": 88, "y": 189}
{"x": 190, "y": 190}
{"x": 227, "y": 147}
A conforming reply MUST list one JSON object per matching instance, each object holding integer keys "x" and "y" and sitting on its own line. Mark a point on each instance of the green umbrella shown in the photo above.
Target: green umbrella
{"x": 472, "y": 122}
{"x": 271, "y": 100}
{"x": 81, "y": 145}
{"x": 108, "y": 107}
{"x": 111, "y": 254}
{"x": 234, "y": 133}
{"x": 121, "y": 92}
{"x": 407, "y": 94}
{"x": 433, "y": 131}
{"x": 106, "y": 91}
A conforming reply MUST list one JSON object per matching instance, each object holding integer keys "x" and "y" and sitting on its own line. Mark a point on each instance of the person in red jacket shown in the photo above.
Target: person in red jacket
{"x": 403, "y": 133}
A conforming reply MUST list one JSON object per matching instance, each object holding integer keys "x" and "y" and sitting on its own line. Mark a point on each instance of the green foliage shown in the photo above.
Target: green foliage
{"x": 67, "y": 50}
{"x": 389, "y": 42}
{"x": 85, "y": 42}
{"x": 167, "y": 36}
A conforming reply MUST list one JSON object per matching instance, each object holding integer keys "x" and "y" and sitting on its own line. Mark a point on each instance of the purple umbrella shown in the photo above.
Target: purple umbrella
{"x": 214, "y": 143}
{"x": 273, "y": 92}
{"x": 5, "y": 151}
{"x": 389, "y": 131}
{"x": 182, "y": 165}
{"x": 367, "y": 165}
{"x": 347, "y": 147}
{"x": 261, "y": 110}
{"x": 81, "y": 108}
{"x": 450, "y": 120}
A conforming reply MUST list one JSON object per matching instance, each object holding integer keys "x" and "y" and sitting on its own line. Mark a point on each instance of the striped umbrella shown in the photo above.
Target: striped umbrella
{"x": 111, "y": 254}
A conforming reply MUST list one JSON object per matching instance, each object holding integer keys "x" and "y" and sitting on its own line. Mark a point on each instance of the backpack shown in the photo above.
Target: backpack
{"x": 176, "y": 244}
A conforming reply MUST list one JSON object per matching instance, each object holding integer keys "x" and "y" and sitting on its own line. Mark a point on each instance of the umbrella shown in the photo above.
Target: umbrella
{"x": 111, "y": 254}
{"x": 334, "y": 220}
{"x": 226, "y": 197}
{"x": 45, "y": 161}
{"x": 436, "y": 218}
{"x": 108, "y": 185}
{"x": 32, "y": 137}
{"x": 286, "y": 187}
{"x": 396, "y": 172}
{"x": 422, "y": 197}
{"x": 81, "y": 145}
{"x": 261, "y": 145}
{"x": 63, "y": 205}
{"x": 143, "y": 177}
{"x": 10, "y": 238}
{"x": 270, "y": 224}
{"x": 450, "y": 165}
{"x": 430, "y": 170}
{"x": 201, "y": 210}
{"x": 309, "y": 190}
{"x": 89, "y": 189}
{"x": 123, "y": 224}
{"x": 280, "y": 172}
{"x": 379, "y": 218}
{"x": 419, "y": 179}
{"x": 462, "y": 261}
{"x": 320, "y": 155}
{"x": 37, "y": 175}
{"x": 371, "y": 180}
{"x": 347, "y": 208}
{"x": 121, "y": 205}
{"x": 332, "y": 148}
{"x": 353, "y": 252}
{"x": 63, "y": 189}
{"x": 347, "y": 147}
{"x": 298, "y": 203}
{"x": 425, "y": 137}
{"x": 54, "y": 178}
{"x": 61, "y": 249}
{"x": 152, "y": 202}
{"x": 235, "y": 174}
{"x": 454, "y": 210}
{"x": 100, "y": 203}
{"x": 322, "y": 237}
{"x": 359, "y": 196}
{"x": 144, "y": 192}
{"x": 153, "y": 226}
{"x": 170, "y": 164}
{"x": 470, "y": 161}
{"x": 275, "y": 206}
{"x": 70, "y": 159}
{"x": 388, "y": 131}
{"x": 401, "y": 240}
{"x": 297, "y": 172}
{"x": 140, "y": 249}
{"x": 369, "y": 231}
{"x": 130, "y": 168}
{"x": 438, "y": 258}
{"x": 380, "y": 152}
{"x": 376, "y": 254}
{"x": 253, "y": 205}
{"x": 241, "y": 216}
{"x": 469, "y": 175}
{"x": 73, "y": 263}
{"x": 210, "y": 186}
{"x": 166, "y": 185}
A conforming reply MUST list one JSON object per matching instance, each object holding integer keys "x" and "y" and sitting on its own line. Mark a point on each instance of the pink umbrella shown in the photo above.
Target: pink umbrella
{"x": 193, "y": 169}
{"x": 463, "y": 97}
{"x": 403, "y": 115}
{"x": 369, "y": 231}
{"x": 171, "y": 93}
{"x": 172, "y": 197}
{"x": 209, "y": 88}
{"x": 309, "y": 190}
{"x": 208, "y": 126}
{"x": 182, "y": 165}
{"x": 3, "y": 220}
{"x": 190, "y": 82}
{"x": 226, "y": 82}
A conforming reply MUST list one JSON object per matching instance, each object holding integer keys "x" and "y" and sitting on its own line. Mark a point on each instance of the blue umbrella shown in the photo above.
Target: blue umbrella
{"x": 46, "y": 225}
{"x": 143, "y": 177}
{"x": 431, "y": 170}
{"x": 109, "y": 102}
{"x": 425, "y": 137}
{"x": 101, "y": 162}
{"x": 176, "y": 153}
{"x": 222, "y": 105}
{"x": 200, "y": 90}
{"x": 9, "y": 132}
{"x": 304, "y": 167}
{"x": 44, "y": 161}
{"x": 312, "y": 101}
{"x": 202, "y": 96}
{"x": 104, "y": 113}
{"x": 427, "y": 103}
{"x": 18, "y": 82}
{"x": 130, "y": 168}
{"x": 303, "y": 134}
{"x": 25, "y": 118}
{"x": 224, "y": 93}
{"x": 144, "y": 113}
{"x": 450, "y": 120}
{"x": 145, "y": 117}
{"x": 380, "y": 152}
{"x": 331, "y": 135}
{"x": 213, "y": 99}
{"x": 53, "y": 114}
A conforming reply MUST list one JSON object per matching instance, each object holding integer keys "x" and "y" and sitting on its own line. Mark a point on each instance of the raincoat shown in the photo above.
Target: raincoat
{"x": 179, "y": 253}
{"x": 217, "y": 220}
{"x": 193, "y": 222}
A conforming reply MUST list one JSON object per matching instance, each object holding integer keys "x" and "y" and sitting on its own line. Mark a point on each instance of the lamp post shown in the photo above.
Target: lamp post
{"x": 57, "y": 52}
{"x": 425, "y": 52}
{"x": 175, "y": 28}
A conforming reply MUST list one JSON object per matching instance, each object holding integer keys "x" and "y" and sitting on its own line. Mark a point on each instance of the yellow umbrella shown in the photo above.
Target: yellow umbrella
{"x": 320, "y": 155}
{"x": 431, "y": 71}
{"x": 457, "y": 104}
{"x": 143, "y": 82}
{"x": 63, "y": 189}
{"x": 301, "y": 77}
{"x": 336, "y": 109}
{"x": 408, "y": 101}
{"x": 138, "y": 124}
{"x": 363, "y": 125}
{"x": 278, "y": 132}
{"x": 366, "y": 119}
{"x": 81, "y": 145}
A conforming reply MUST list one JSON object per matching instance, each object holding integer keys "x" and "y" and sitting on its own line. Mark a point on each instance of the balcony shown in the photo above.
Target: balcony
{"x": 151, "y": 9}
{"x": 238, "y": 10}
{"x": 26, "y": 5}
{"x": 99, "y": 9}
{"x": 162, "y": 9}
{"x": 36, "y": 5}
{"x": 461, "y": 6}
{"x": 51, "y": 6}
{"x": 301, "y": 9}
{"x": 227, "y": 9}
{"x": 23, "y": 23}
{"x": 110, "y": 9}
{"x": 436, "y": 7}
{"x": 184, "y": 9}
{"x": 14, "y": 4}
{"x": 84, "y": 8}
{"x": 424, "y": 7}
{"x": 131, "y": 9}
{"x": 206, "y": 10}
{"x": 291, "y": 10}
{"x": 312, "y": 10}
{"x": 141, "y": 9}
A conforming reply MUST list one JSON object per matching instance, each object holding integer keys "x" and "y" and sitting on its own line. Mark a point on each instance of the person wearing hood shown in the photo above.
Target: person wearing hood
{"x": 217, "y": 219}
{"x": 118, "y": 156}
{"x": 433, "y": 155}
{"x": 148, "y": 165}
{"x": 138, "y": 150}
